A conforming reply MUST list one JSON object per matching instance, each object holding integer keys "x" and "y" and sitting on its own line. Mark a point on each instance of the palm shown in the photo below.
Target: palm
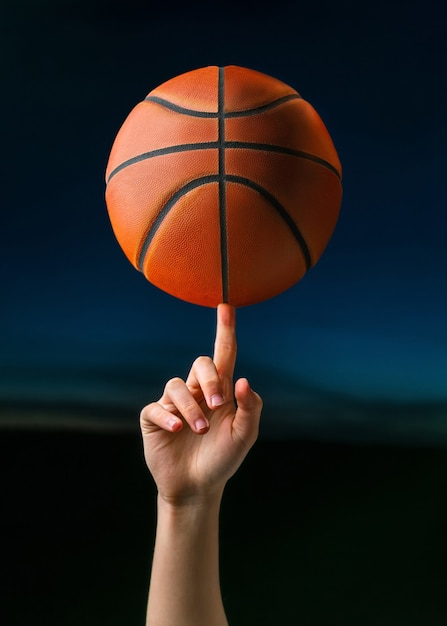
{"x": 186, "y": 461}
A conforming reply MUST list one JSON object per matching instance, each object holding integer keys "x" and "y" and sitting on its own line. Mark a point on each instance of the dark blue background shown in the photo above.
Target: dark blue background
{"x": 338, "y": 515}
{"x": 357, "y": 351}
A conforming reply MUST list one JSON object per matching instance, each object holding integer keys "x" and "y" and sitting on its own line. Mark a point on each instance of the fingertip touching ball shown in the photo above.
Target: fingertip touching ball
{"x": 223, "y": 185}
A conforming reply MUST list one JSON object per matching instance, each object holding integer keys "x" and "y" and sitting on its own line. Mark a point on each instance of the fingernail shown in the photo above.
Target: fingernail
{"x": 201, "y": 424}
{"x": 173, "y": 423}
{"x": 217, "y": 400}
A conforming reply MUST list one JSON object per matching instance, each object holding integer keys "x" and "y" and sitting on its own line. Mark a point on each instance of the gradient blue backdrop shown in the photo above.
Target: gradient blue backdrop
{"x": 357, "y": 351}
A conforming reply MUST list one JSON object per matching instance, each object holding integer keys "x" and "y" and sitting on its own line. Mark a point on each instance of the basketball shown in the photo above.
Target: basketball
{"x": 223, "y": 185}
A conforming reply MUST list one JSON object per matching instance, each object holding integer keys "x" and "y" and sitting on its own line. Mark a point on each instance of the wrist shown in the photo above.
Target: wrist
{"x": 189, "y": 503}
{"x": 191, "y": 518}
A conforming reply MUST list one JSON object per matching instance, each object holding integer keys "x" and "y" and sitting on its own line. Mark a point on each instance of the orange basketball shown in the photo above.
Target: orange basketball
{"x": 223, "y": 185}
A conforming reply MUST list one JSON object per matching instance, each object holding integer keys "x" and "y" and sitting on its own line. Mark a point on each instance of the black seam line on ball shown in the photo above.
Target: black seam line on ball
{"x": 283, "y": 150}
{"x": 214, "y": 178}
{"x": 167, "y": 104}
{"x": 281, "y": 210}
{"x": 264, "y": 107}
{"x": 160, "y": 152}
{"x": 222, "y": 184}
{"x": 228, "y": 144}
{"x": 178, "y": 109}
{"x": 149, "y": 236}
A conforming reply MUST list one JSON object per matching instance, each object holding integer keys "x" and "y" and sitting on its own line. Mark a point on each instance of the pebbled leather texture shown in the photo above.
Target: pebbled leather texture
{"x": 223, "y": 185}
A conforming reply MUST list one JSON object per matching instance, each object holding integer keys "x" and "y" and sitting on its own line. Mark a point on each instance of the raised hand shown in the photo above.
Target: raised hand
{"x": 198, "y": 433}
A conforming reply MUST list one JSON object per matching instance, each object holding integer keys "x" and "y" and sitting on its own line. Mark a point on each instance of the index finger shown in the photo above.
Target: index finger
{"x": 225, "y": 345}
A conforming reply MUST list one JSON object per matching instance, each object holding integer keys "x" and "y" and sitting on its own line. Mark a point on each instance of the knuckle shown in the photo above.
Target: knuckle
{"x": 147, "y": 412}
{"x": 206, "y": 373}
{"x": 174, "y": 383}
{"x": 203, "y": 361}
{"x": 212, "y": 383}
{"x": 226, "y": 344}
{"x": 190, "y": 409}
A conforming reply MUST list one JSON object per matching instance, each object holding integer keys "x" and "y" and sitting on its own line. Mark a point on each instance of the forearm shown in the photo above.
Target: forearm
{"x": 185, "y": 585}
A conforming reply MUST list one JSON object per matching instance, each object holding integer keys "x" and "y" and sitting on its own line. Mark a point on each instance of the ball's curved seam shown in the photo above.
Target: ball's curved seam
{"x": 168, "y": 104}
{"x": 237, "y": 145}
{"x": 214, "y": 178}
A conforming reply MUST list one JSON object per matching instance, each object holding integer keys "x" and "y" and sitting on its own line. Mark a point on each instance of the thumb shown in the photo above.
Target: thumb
{"x": 248, "y": 413}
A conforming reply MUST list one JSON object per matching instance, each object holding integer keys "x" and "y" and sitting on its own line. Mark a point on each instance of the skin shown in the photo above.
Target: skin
{"x": 195, "y": 438}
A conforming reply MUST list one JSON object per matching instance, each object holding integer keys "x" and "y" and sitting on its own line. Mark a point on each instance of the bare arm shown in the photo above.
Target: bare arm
{"x": 195, "y": 438}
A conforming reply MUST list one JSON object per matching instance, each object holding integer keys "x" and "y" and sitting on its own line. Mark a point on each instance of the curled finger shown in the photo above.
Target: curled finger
{"x": 204, "y": 382}
{"x": 156, "y": 417}
{"x": 180, "y": 396}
